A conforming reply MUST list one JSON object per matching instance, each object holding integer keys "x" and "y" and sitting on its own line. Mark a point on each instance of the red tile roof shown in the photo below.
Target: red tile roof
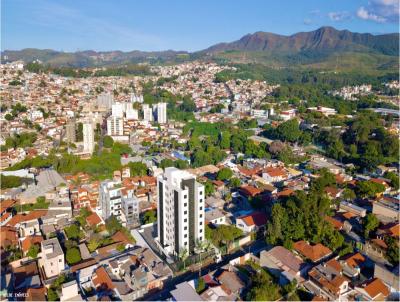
{"x": 256, "y": 218}
{"x": 35, "y": 214}
{"x": 102, "y": 279}
{"x": 29, "y": 241}
{"x": 376, "y": 287}
{"x": 93, "y": 219}
{"x": 312, "y": 252}
{"x": 337, "y": 224}
{"x": 250, "y": 190}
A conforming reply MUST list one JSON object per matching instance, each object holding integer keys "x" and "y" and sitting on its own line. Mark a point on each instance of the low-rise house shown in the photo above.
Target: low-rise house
{"x": 185, "y": 292}
{"x": 284, "y": 264}
{"x": 372, "y": 290}
{"x": 315, "y": 253}
{"x": 388, "y": 207}
{"x": 26, "y": 276}
{"x": 274, "y": 174}
{"x": 352, "y": 264}
{"x": 70, "y": 292}
{"x": 252, "y": 222}
{"x": 326, "y": 282}
{"x": 28, "y": 241}
{"x": 231, "y": 282}
{"x": 29, "y": 228}
{"x": 389, "y": 276}
{"x": 215, "y": 216}
{"x": 52, "y": 258}
{"x": 352, "y": 208}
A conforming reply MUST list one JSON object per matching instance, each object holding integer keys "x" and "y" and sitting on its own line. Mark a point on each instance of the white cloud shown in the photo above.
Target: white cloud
{"x": 380, "y": 11}
{"x": 339, "y": 16}
{"x": 307, "y": 21}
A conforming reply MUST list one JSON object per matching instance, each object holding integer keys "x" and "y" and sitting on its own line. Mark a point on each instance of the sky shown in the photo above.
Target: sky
{"x": 151, "y": 25}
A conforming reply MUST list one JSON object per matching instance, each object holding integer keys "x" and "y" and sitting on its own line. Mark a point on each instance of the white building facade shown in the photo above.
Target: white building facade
{"x": 88, "y": 137}
{"x": 180, "y": 211}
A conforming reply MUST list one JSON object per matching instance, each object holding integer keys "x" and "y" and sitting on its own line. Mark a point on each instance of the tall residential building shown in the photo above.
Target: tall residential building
{"x": 122, "y": 204}
{"x": 160, "y": 111}
{"x": 105, "y": 100}
{"x": 147, "y": 113}
{"x": 132, "y": 114}
{"x": 180, "y": 211}
{"x": 118, "y": 110}
{"x": 115, "y": 126}
{"x": 70, "y": 132}
{"x": 88, "y": 137}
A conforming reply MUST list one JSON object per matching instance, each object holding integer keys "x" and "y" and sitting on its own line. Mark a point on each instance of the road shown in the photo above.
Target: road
{"x": 162, "y": 295}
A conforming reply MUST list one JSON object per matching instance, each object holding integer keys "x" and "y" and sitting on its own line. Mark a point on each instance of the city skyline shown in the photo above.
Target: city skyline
{"x": 69, "y": 26}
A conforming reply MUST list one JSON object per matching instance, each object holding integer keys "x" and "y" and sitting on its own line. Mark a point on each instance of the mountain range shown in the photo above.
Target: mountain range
{"x": 314, "y": 48}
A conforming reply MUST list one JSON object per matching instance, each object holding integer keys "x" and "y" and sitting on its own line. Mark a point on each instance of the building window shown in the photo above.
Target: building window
{"x": 185, "y": 204}
{"x": 185, "y": 196}
{"x": 201, "y": 192}
{"x": 185, "y": 236}
{"x": 201, "y": 231}
{"x": 201, "y": 222}
{"x": 185, "y": 220}
{"x": 201, "y": 208}
{"x": 201, "y": 215}
{"x": 185, "y": 212}
{"x": 185, "y": 228}
{"x": 200, "y": 238}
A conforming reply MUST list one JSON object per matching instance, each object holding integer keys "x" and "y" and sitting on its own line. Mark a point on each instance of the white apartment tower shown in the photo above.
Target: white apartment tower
{"x": 115, "y": 126}
{"x": 160, "y": 111}
{"x": 118, "y": 110}
{"x": 88, "y": 137}
{"x": 180, "y": 211}
{"x": 147, "y": 113}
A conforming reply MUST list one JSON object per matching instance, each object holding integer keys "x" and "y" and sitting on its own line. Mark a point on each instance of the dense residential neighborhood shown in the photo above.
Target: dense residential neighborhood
{"x": 175, "y": 185}
{"x": 145, "y": 155}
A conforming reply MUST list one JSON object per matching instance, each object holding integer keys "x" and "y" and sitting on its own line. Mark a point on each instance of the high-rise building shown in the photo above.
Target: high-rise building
{"x": 132, "y": 114}
{"x": 180, "y": 211}
{"x": 88, "y": 137}
{"x": 147, "y": 113}
{"x": 160, "y": 111}
{"x": 70, "y": 132}
{"x": 118, "y": 110}
{"x": 115, "y": 126}
{"x": 105, "y": 100}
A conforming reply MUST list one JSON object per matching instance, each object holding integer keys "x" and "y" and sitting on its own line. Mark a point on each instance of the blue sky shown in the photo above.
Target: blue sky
{"x": 176, "y": 24}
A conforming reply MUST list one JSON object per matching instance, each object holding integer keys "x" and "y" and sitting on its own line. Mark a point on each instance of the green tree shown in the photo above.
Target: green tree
{"x": 224, "y": 174}
{"x": 108, "y": 141}
{"x": 33, "y": 251}
{"x": 73, "y": 256}
{"x": 52, "y": 295}
{"x": 138, "y": 168}
{"x": 394, "y": 179}
{"x": 369, "y": 188}
{"x": 289, "y": 131}
{"x": 8, "y": 117}
{"x": 73, "y": 232}
{"x": 370, "y": 223}
{"x": 234, "y": 182}
{"x": 149, "y": 216}
{"x": 93, "y": 245}
{"x": 392, "y": 253}
{"x": 113, "y": 225}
